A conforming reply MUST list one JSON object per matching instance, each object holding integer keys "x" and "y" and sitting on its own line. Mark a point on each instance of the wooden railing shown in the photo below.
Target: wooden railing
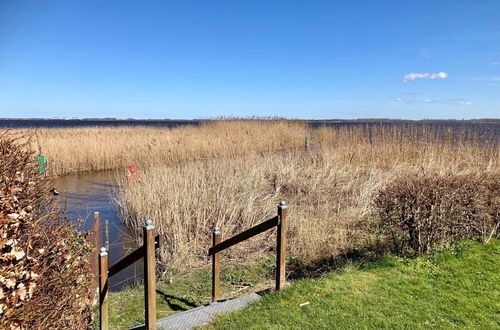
{"x": 146, "y": 251}
{"x": 218, "y": 246}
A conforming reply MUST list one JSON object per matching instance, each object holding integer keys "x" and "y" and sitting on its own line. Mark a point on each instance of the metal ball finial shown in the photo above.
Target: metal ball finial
{"x": 216, "y": 230}
{"x": 103, "y": 251}
{"x": 282, "y": 203}
{"x": 149, "y": 224}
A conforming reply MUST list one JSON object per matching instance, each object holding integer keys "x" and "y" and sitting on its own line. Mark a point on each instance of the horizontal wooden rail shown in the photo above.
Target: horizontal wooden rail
{"x": 273, "y": 222}
{"x": 130, "y": 258}
{"x": 278, "y": 221}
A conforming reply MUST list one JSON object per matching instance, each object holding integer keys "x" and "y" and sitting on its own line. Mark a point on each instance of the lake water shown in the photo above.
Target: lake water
{"x": 27, "y": 123}
{"x": 89, "y": 192}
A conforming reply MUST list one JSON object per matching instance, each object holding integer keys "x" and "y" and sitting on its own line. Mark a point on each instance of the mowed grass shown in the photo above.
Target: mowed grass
{"x": 183, "y": 292}
{"x": 457, "y": 288}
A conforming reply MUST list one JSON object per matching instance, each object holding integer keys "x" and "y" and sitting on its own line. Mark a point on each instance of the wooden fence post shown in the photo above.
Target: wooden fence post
{"x": 96, "y": 242}
{"x": 149, "y": 274}
{"x": 103, "y": 289}
{"x": 215, "y": 265}
{"x": 281, "y": 246}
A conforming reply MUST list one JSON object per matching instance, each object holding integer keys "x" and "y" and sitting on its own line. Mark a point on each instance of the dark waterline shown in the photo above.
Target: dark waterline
{"x": 50, "y": 123}
{"x": 488, "y": 126}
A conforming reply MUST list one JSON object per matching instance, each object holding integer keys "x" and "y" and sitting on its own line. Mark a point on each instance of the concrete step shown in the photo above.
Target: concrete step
{"x": 202, "y": 315}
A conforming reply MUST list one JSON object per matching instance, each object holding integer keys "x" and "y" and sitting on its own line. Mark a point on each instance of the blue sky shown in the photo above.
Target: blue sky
{"x": 296, "y": 59}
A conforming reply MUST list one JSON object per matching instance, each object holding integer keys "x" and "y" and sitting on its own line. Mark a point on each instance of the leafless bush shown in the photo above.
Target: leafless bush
{"x": 422, "y": 211}
{"x": 43, "y": 266}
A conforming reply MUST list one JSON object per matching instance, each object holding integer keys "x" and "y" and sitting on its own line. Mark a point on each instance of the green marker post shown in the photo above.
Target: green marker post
{"x": 41, "y": 161}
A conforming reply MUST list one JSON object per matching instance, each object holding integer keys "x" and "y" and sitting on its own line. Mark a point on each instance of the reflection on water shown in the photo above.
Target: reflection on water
{"x": 86, "y": 193}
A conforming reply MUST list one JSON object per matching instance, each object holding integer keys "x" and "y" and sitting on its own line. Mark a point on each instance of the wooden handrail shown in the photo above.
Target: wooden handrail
{"x": 151, "y": 242}
{"x": 130, "y": 258}
{"x": 278, "y": 221}
{"x": 262, "y": 227}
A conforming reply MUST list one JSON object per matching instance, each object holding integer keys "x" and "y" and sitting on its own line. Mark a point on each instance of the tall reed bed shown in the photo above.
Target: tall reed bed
{"x": 330, "y": 189}
{"x": 69, "y": 150}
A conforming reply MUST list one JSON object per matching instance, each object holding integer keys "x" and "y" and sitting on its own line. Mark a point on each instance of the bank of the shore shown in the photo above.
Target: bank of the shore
{"x": 456, "y": 287}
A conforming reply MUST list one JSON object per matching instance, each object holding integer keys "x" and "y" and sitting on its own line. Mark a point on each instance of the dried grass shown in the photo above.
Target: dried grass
{"x": 69, "y": 150}
{"x": 330, "y": 190}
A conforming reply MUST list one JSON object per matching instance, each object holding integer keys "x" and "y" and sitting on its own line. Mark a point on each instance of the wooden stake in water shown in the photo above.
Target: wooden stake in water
{"x": 96, "y": 242}
{"x": 107, "y": 234}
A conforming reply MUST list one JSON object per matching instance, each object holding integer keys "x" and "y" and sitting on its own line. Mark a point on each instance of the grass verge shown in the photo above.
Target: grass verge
{"x": 187, "y": 291}
{"x": 459, "y": 287}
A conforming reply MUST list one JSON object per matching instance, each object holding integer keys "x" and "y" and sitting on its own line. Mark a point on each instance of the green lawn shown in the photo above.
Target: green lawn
{"x": 454, "y": 288}
{"x": 126, "y": 308}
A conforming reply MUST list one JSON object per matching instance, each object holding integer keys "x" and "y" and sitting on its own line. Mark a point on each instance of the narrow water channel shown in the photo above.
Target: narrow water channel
{"x": 85, "y": 193}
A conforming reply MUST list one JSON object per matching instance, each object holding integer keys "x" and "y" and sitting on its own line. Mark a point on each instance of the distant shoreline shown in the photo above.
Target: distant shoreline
{"x": 358, "y": 120}
{"x": 86, "y": 122}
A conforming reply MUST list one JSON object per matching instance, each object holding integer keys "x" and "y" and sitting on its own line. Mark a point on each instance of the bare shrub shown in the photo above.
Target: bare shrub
{"x": 43, "y": 266}
{"x": 421, "y": 211}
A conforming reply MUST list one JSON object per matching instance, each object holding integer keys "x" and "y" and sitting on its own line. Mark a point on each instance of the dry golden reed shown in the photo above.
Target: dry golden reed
{"x": 69, "y": 150}
{"x": 232, "y": 173}
{"x": 329, "y": 189}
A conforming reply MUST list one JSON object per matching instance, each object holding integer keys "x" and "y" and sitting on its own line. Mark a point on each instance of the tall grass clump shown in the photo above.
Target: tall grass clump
{"x": 330, "y": 191}
{"x": 44, "y": 270}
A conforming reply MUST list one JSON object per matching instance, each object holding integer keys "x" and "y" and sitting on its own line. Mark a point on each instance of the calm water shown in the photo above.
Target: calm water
{"x": 26, "y": 123}
{"x": 89, "y": 192}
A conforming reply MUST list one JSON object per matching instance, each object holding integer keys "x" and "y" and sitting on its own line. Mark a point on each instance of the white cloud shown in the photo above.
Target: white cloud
{"x": 426, "y": 55}
{"x": 401, "y": 100}
{"x": 413, "y": 76}
{"x": 462, "y": 103}
{"x": 457, "y": 102}
{"x": 487, "y": 79}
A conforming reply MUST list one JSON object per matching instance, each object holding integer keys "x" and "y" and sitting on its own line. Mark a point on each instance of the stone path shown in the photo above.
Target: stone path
{"x": 202, "y": 315}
